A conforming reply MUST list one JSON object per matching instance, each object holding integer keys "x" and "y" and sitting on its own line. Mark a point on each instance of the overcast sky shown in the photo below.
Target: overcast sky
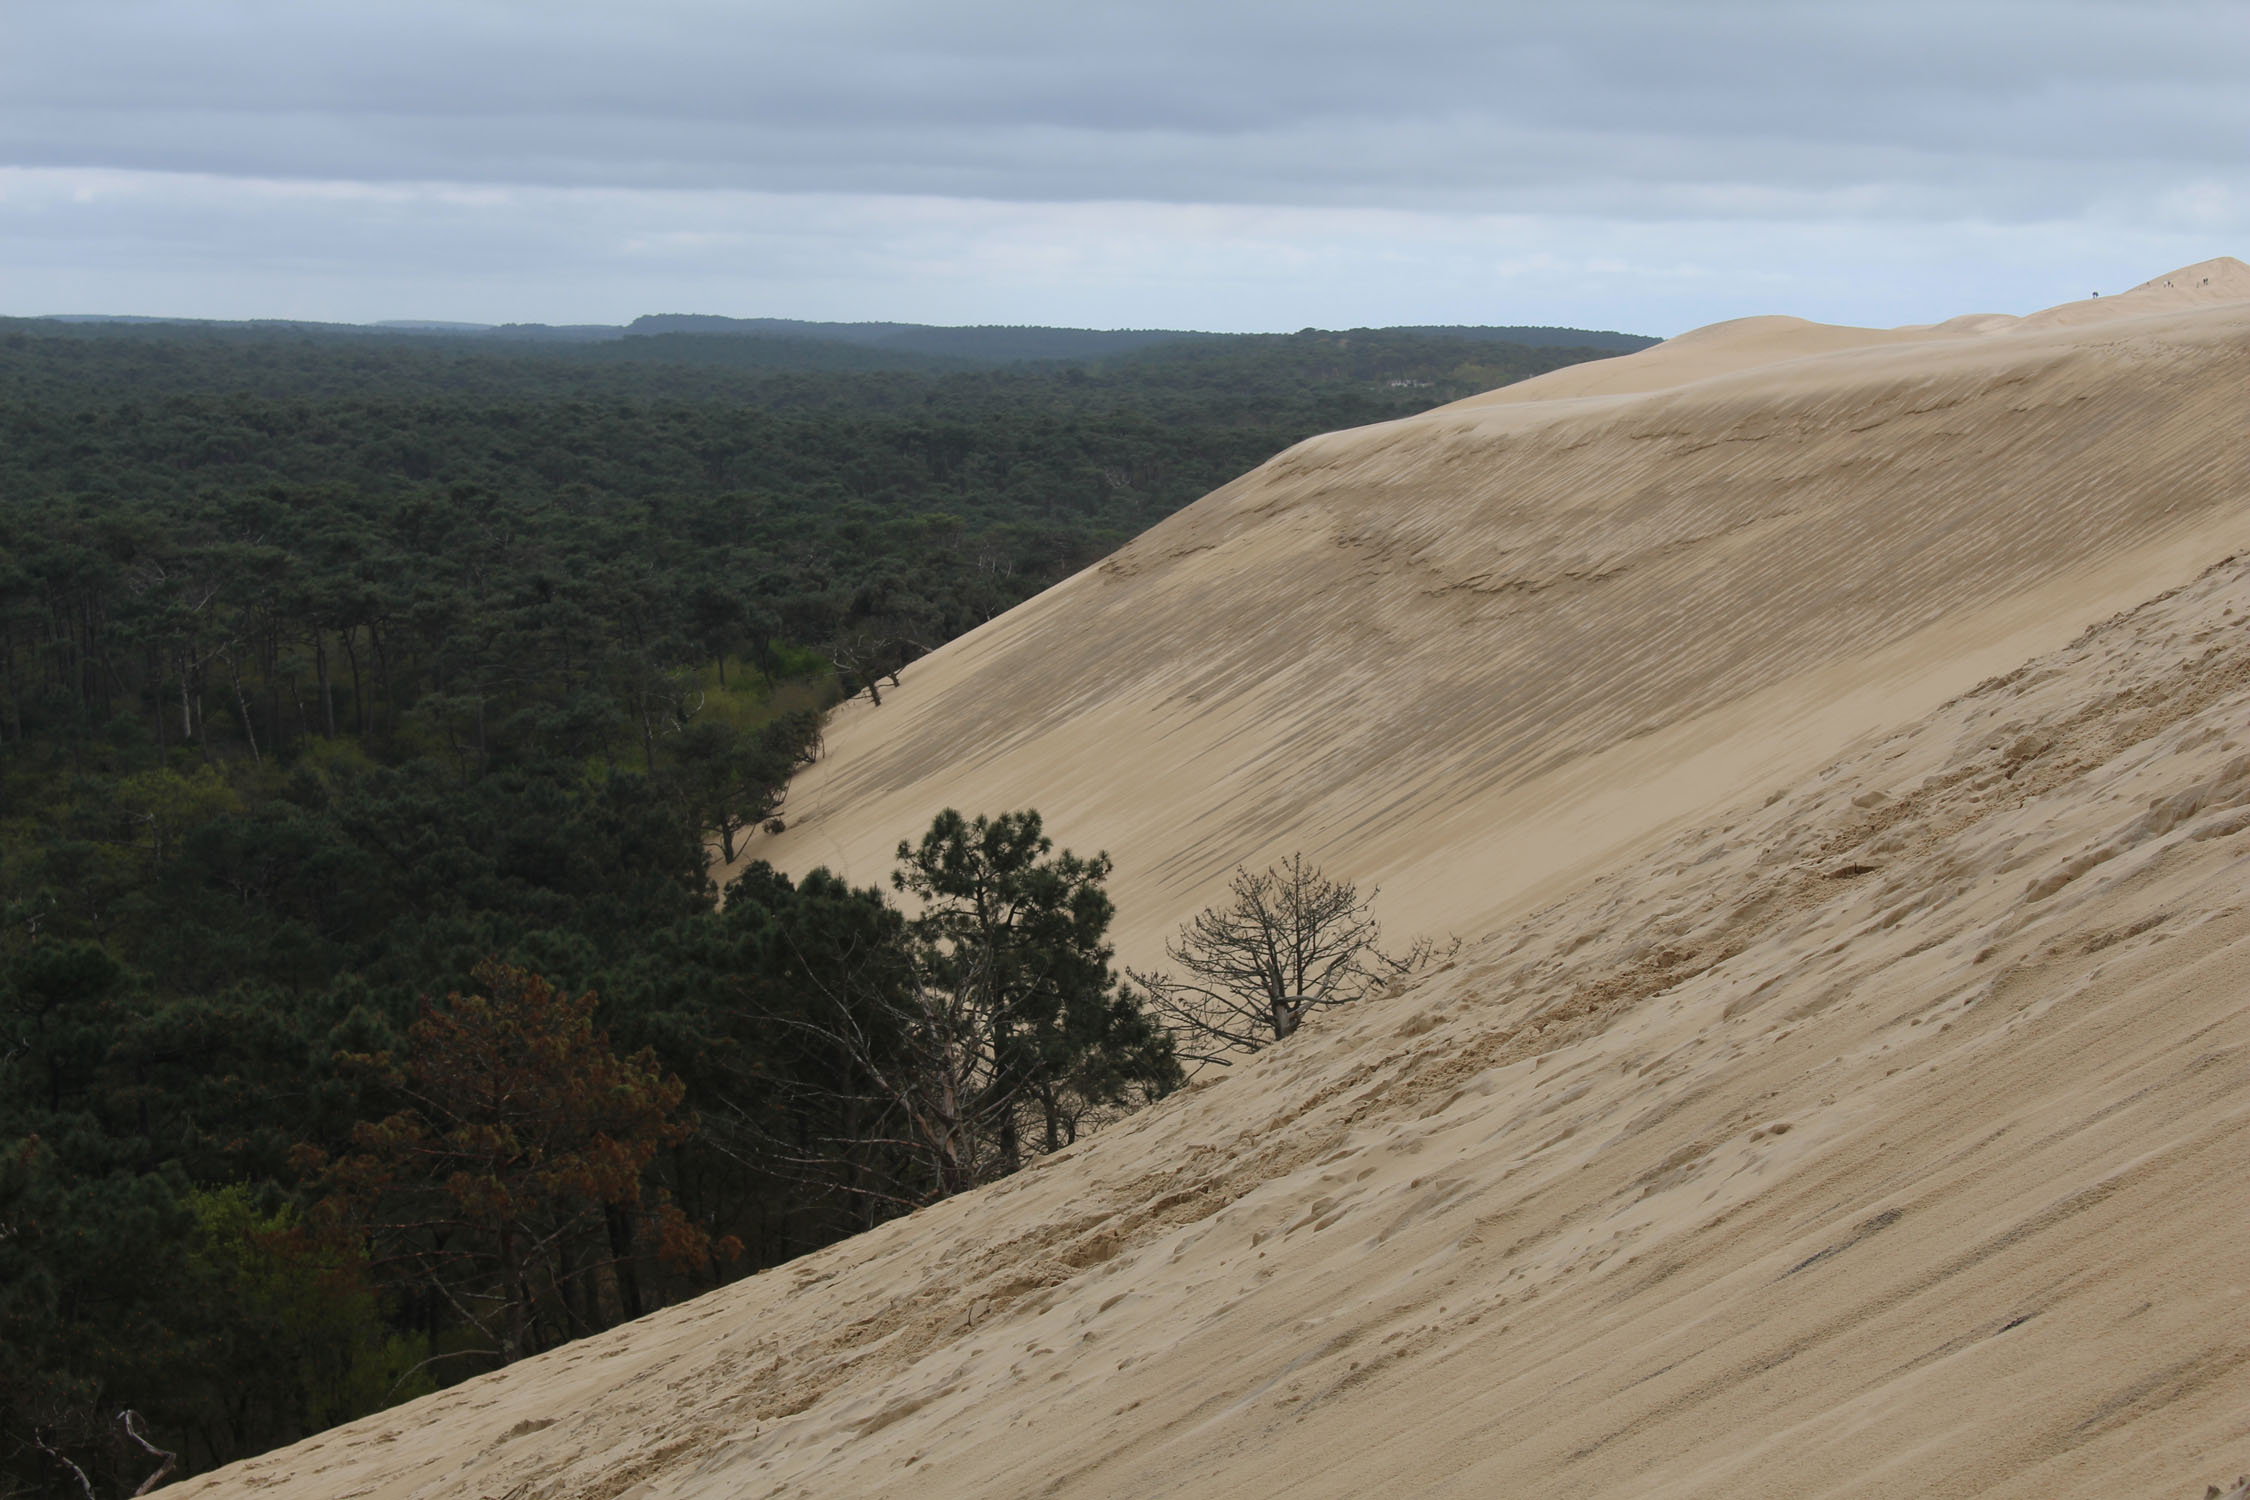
{"x": 1226, "y": 164}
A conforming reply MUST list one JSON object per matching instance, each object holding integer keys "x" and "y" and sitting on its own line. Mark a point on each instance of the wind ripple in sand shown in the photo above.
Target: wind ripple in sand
{"x": 1816, "y": 1121}
{"x": 1836, "y": 1148}
{"x": 1474, "y": 655}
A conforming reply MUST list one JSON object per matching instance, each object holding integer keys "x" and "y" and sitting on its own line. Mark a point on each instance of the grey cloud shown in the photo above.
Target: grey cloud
{"x": 1226, "y": 163}
{"x": 1454, "y": 164}
{"x": 1753, "y": 109}
{"x": 215, "y": 247}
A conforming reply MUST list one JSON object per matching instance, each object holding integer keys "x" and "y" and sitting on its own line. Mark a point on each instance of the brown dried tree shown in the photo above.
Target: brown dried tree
{"x": 514, "y": 1184}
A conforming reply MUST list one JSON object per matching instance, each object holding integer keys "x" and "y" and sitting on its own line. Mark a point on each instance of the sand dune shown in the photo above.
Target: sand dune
{"x": 1474, "y": 654}
{"x": 1842, "y": 765}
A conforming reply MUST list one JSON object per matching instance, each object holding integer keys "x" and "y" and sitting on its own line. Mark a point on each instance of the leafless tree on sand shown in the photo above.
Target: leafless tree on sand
{"x": 1287, "y": 939}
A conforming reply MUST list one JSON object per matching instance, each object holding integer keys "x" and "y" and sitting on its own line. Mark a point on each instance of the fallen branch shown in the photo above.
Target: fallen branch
{"x": 132, "y": 1421}
{"x": 83, "y": 1482}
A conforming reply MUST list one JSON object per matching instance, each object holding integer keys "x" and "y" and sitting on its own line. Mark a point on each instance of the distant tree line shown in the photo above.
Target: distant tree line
{"x": 833, "y": 366}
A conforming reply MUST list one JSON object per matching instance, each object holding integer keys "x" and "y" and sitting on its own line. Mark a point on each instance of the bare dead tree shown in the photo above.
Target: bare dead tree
{"x": 1287, "y": 939}
{"x": 85, "y": 1485}
{"x": 137, "y": 1430}
{"x": 865, "y": 658}
{"x": 932, "y": 1084}
{"x": 139, "y": 1434}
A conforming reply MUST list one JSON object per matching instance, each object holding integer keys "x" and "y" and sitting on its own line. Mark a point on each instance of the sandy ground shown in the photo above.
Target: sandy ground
{"x": 1850, "y": 1095}
{"x": 1474, "y": 655}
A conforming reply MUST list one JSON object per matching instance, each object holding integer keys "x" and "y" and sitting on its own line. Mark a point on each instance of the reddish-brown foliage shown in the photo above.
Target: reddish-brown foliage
{"x": 514, "y": 1182}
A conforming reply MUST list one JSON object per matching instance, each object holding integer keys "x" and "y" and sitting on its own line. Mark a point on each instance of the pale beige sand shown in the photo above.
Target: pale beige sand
{"x": 1472, "y": 655}
{"x": 1819, "y": 1119}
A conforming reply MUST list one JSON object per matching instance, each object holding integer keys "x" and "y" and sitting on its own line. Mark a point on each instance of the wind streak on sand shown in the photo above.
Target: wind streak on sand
{"x": 1869, "y": 1126}
{"x": 1475, "y": 655}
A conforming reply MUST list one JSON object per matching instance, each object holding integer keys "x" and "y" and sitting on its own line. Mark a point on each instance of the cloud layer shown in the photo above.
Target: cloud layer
{"x": 763, "y": 151}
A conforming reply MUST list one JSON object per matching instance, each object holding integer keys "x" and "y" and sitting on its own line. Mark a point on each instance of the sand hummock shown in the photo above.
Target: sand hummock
{"x": 1834, "y": 746}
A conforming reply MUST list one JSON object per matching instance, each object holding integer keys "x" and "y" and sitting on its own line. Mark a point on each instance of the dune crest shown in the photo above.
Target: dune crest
{"x": 1471, "y": 655}
{"x": 1841, "y": 769}
{"x": 2206, "y": 283}
{"x": 1752, "y": 343}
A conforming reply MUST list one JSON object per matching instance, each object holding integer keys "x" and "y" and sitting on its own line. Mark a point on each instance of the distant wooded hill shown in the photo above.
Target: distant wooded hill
{"x": 1000, "y": 344}
{"x": 73, "y": 360}
{"x": 792, "y": 343}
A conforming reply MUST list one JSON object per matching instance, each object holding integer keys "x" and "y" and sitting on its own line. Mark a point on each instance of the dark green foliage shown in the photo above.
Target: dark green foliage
{"x": 1014, "y": 936}
{"x": 333, "y": 668}
{"x": 792, "y": 1150}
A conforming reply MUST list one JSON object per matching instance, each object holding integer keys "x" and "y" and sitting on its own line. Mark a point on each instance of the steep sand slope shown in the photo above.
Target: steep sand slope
{"x": 1474, "y": 654}
{"x": 1851, "y": 1098}
{"x": 1885, "y": 1139}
